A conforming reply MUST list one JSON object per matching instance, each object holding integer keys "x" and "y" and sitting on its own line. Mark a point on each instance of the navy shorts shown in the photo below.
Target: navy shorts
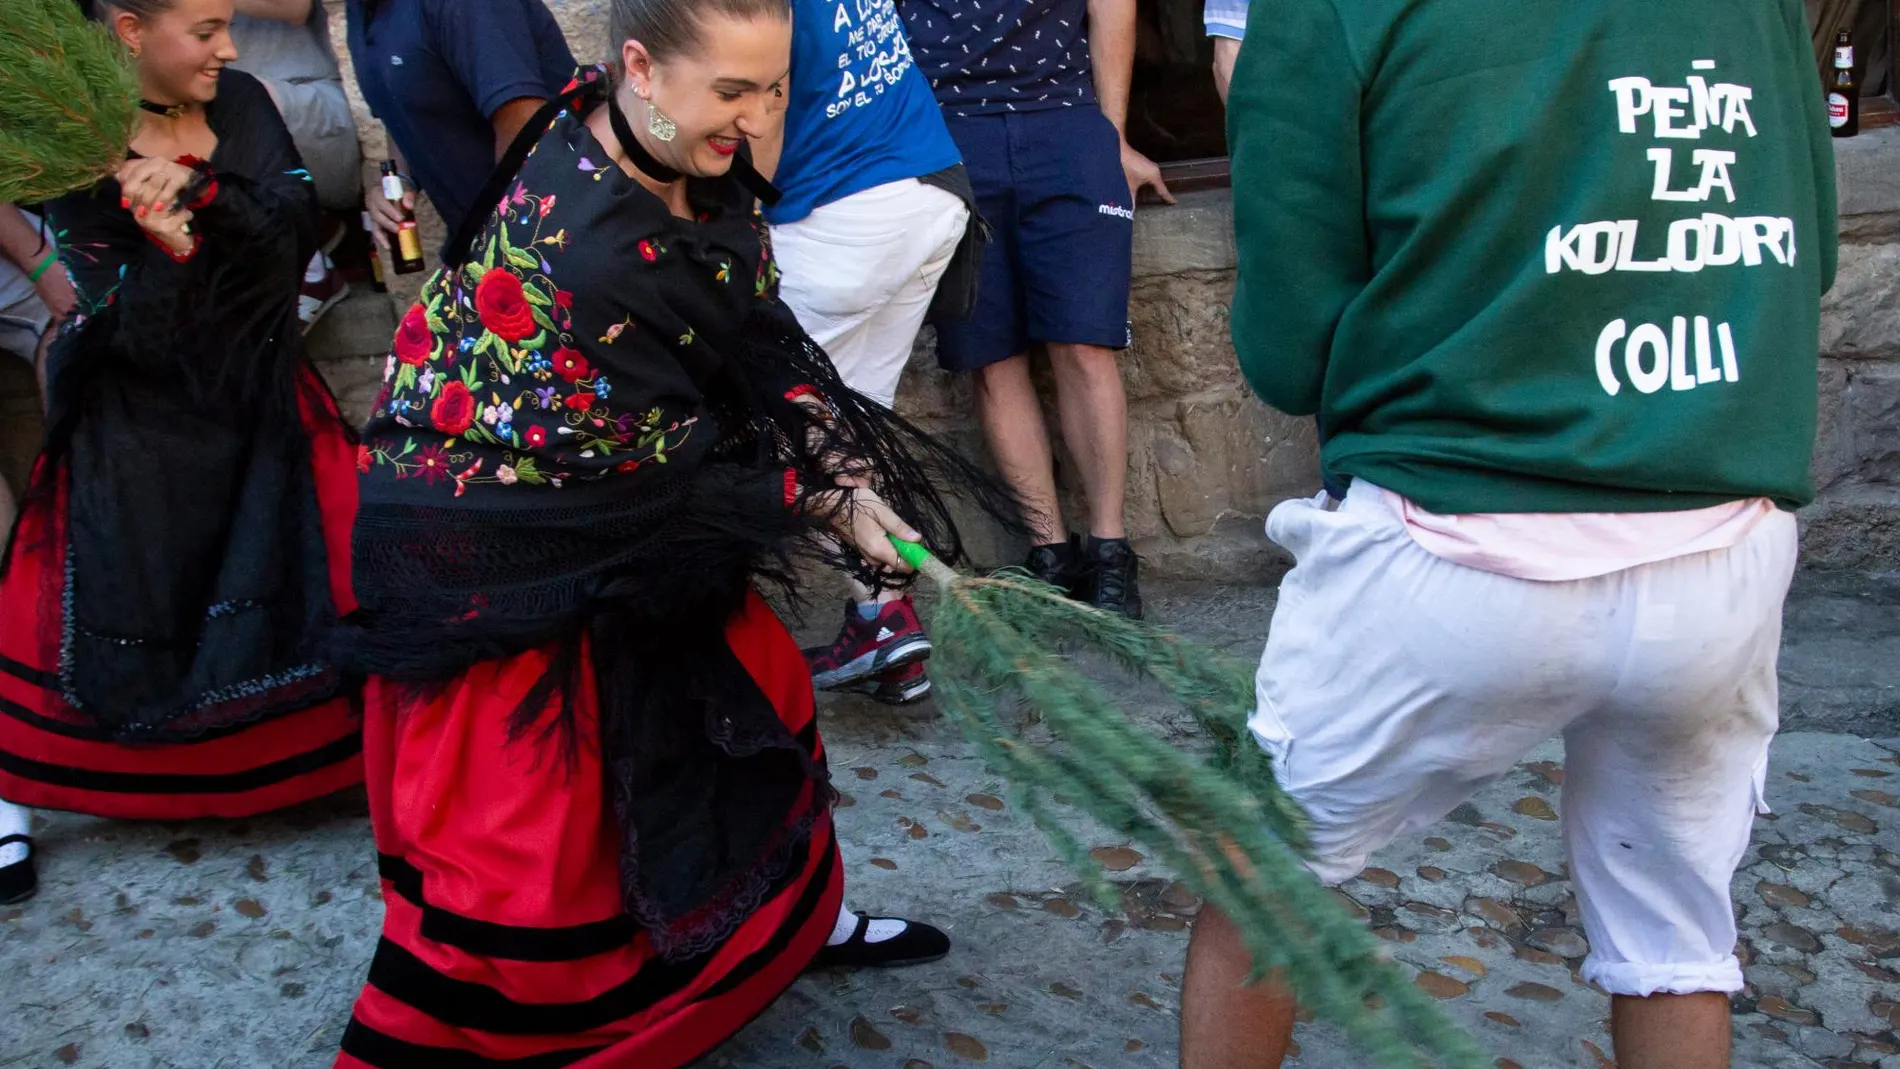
{"x": 1051, "y": 185}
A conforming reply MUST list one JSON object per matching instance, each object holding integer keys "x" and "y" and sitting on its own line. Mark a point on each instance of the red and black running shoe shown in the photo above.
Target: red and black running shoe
{"x": 866, "y": 648}
{"x": 897, "y": 686}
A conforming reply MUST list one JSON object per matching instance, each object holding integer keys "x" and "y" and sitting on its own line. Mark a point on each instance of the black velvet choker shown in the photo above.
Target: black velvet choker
{"x": 169, "y": 111}
{"x": 742, "y": 169}
{"x": 636, "y": 153}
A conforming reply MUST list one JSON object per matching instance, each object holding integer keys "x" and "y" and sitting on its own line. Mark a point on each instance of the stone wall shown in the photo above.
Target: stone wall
{"x": 1855, "y": 519}
{"x": 1207, "y": 460}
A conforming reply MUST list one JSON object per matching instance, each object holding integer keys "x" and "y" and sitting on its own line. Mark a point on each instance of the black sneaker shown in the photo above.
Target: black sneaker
{"x": 1111, "y": 585}
{"x": 917, "y": 944}
{"x": 1059, "y": 564}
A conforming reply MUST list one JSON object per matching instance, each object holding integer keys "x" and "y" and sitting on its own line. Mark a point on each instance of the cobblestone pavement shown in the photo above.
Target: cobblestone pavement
{"x": 242, "y": 944}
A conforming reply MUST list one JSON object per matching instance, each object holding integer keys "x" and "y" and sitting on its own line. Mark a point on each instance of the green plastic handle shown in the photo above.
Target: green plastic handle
{"x": 925, "y": 562}
{"x": 913, "y": 553}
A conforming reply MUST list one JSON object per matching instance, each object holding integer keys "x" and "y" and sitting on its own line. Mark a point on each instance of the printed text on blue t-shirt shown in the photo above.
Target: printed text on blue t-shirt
{"x": 876, "y": 54}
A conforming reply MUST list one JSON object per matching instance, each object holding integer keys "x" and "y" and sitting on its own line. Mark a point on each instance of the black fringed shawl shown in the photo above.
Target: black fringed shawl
{"x": 196, "y": 595}
{"x": 592, "y": 427}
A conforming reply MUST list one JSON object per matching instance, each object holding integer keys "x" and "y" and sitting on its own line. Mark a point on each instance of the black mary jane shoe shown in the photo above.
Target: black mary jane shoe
{"x": 18, "y": 881}
{"x": 917, "y": 944}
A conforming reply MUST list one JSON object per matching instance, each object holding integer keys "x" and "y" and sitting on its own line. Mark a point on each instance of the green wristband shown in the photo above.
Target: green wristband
{"x": 45, "y": 265}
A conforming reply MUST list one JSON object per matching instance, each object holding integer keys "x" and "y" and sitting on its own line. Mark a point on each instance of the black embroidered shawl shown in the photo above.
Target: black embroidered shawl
{"x": 196, "y": 594}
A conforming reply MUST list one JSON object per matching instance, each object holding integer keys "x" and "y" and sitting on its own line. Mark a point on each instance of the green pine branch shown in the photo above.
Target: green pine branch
{"x": 1222, "y": 825}
{"x": 68, "y": 100}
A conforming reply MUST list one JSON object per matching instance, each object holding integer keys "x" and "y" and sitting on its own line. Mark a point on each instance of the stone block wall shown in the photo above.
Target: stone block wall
{"x": 1855, "y": 519}
{"x": 1207, "y": 460}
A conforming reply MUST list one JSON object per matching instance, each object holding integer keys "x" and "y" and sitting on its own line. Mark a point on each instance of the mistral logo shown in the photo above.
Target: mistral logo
{"x": 1119, "y": 213}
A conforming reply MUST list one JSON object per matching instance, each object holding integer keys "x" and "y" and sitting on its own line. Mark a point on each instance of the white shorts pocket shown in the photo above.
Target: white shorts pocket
{"x": 1270, "y": 731}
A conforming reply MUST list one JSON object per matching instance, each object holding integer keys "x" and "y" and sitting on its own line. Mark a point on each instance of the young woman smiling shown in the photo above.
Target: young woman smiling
{"x": 599, "y": 792}
{"x": 182, "y": 552}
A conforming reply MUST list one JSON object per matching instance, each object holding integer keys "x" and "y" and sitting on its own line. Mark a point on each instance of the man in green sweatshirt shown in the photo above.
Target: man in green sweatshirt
{"x": 1551, "y": 279}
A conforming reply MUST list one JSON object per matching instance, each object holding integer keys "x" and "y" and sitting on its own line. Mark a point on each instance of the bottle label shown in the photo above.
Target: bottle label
{"x": 392, "y": 188}
{"x": 1844, "y": 57}
{"x": 1837, "y": 107}
{"x": 409, "y": 240}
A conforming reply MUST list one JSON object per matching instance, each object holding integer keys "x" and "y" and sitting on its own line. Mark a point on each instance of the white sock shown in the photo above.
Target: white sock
{"x": 841, "y": 930}
{"x": 13, "y": 821}
{"x": 319, "y": 266}
{"x": 877, "y": 931}
{"x": 882, "y": 928}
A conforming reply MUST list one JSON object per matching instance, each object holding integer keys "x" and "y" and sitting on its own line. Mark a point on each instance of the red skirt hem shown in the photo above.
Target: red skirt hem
{"x": 51, "y": 758}
{"x": 504, "y": 944}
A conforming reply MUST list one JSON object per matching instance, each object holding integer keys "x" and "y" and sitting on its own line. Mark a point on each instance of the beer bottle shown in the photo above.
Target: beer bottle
{"x": 408, "y": 248}
{"x": 377, "y": 283}
{"x": 1843, "y": 92}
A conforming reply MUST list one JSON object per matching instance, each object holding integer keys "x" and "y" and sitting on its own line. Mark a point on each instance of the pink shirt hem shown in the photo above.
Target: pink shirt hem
{"x": 1563, "y": 547}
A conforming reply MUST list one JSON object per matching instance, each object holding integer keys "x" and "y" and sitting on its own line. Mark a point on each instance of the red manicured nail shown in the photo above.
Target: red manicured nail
{"x": 124, "y": 202}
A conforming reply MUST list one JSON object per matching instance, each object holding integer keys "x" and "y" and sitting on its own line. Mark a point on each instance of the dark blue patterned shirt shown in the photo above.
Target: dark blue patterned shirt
{"x": 989, "y": 56}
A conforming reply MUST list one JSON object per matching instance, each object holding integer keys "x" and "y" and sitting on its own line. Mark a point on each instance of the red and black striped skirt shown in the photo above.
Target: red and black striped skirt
{"x": 504, "y": 940}
{"x": 50, "y": 760}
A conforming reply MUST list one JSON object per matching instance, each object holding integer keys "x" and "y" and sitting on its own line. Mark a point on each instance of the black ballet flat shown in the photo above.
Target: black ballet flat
{"x": 917, "y": 944}
{"x": 19, "y": 881}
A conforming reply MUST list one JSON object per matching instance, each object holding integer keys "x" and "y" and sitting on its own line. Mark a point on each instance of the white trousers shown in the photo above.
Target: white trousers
{"x": 1395, "y": 684}
{"x": 859, "y": 274}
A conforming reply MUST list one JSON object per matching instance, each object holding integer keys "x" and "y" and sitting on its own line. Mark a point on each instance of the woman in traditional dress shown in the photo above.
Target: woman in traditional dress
{"x": 600, "y": 799}
{"x": 182, "y": 551}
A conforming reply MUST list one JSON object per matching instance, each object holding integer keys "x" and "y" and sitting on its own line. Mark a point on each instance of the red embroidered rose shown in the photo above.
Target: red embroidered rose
{"x": 454, "y": 409}
{"x": 503, "y": 308}
{"x": 537, "y": 437}
{"x": 413, "y": 340}
{"x": 570, "y": 364}
{"x": 649, "y": 251}
{"x": 564, "y": 299}
{"x": 362, "y": 459}
{"x": 581, "y": 402}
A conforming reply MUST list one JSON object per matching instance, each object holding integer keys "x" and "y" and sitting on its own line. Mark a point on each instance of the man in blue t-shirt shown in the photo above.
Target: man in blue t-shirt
{"x": 1036, "y": 95}
{"x": 866, "y": 227}
{"x": 453, "y": 81}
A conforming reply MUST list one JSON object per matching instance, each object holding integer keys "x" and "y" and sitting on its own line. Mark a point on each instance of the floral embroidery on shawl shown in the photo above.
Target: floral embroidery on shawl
{"x": 488, "y": 357}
